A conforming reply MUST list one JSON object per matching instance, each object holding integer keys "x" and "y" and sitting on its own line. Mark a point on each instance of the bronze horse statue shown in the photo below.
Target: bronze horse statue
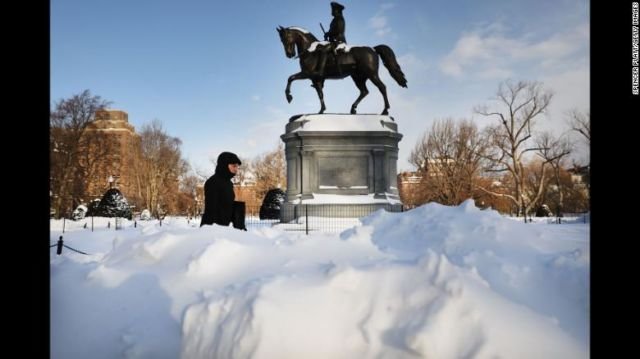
{"x": 359, "y": 62}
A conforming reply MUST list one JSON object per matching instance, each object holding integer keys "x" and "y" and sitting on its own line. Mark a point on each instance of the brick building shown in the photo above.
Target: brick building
{"x": 110, "y": 146}
{"x": 409, "y": 188}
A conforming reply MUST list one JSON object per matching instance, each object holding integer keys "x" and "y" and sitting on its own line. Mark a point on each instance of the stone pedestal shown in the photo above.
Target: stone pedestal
{"x": 346, "y": 160}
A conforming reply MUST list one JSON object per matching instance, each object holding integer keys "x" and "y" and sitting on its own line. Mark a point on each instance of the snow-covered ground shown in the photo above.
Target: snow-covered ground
{"x": 433, "y": 282}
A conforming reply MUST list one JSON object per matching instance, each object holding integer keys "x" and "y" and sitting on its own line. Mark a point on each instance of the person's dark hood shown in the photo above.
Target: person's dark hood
{"x": 224, "y": 160}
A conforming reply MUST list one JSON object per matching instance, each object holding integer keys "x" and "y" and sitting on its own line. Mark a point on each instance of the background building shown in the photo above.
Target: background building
{"x": 111, "y": 146}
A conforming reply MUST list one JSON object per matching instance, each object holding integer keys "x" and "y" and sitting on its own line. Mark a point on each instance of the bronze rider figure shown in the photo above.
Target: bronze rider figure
{"x": 335, "y": 36}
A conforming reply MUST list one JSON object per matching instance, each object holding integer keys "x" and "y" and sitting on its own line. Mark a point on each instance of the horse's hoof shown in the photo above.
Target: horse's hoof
{"x": 289, "y": 98}
{"x": 385, "y": 112}
{"x": 353, "y": 111}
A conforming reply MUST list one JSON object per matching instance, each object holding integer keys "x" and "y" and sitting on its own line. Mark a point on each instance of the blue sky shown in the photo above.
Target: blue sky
{"x": 215, "y": 72}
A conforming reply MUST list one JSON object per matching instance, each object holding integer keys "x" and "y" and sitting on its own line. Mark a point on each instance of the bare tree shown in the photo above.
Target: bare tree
{"x": 94, "y": 149}
{"x": 581, "y": 123}
{"x": 554, "y": 151}
{"x": 189, "y": 184}
{"x": 68, "y": 120}
{"x": 576, "y": 199}
{"x": 518, "y": 106}
{"x": 189, "y": 189}
{"x": 449, "y": 158}
{"x": 269, "y": 171}
{"x": 159, "y": 167}
{"x": 187, "y": 198}
{"x": 536, "y": 183}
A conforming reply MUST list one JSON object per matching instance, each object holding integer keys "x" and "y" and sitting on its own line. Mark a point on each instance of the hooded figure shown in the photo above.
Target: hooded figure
{"x": 218, "y": 191}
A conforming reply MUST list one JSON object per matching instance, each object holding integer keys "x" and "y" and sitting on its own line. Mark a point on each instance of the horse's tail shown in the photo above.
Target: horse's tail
{"x": 389, "y": 61}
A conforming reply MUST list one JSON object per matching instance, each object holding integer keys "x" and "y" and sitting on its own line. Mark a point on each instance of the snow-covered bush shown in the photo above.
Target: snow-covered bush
{"x": 145, "y": 215}
{"x": 79, "y": 213}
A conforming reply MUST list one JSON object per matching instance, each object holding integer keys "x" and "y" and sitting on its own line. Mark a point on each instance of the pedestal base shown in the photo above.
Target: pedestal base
{"x": 290, "y": 212}
{"x": 340, "y": 165}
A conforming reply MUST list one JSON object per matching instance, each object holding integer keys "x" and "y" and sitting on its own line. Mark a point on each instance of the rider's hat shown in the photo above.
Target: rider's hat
{"x": 336, "y": 6}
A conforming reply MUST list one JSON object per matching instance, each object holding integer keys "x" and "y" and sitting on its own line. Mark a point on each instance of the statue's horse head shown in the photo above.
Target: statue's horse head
{"x": 288, "y": 41}
{"x": 295, "y": 39}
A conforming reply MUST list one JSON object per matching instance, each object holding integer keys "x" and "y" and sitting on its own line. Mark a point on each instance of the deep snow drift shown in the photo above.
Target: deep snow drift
{"x": 433, "y": 282}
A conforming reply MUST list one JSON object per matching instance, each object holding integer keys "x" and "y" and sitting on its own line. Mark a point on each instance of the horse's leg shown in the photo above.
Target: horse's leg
{"x": 318, "y": 85}
{"x": 361, "y": 83}
{"x": 383, "y": 90}
{"x": 292, "y": 78}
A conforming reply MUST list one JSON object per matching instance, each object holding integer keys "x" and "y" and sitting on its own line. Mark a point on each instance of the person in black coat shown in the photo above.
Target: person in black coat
{"x": 218, "y": 191}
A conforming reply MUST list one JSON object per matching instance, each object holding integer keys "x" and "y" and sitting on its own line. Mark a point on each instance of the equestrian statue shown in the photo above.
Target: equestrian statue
{"x": 334, "y": 59}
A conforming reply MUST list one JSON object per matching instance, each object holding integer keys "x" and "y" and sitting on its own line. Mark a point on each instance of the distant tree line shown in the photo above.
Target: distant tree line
{"x": 163, "y": 181}
{"x": 508, "y": 165}
{"x": 75, "y": 155}
{"x": 68, "y": 165}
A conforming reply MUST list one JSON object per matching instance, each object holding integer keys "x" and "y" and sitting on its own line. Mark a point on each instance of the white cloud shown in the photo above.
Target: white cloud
{"x": 379, "y": 21}
{"x": 495, "y": 73}
{"x": 379, "y": 24}
{"x": 255, "y": 98}
{"x": 387, "y": 6}
{"x": 251, "y": 143}
{"x": 571, "y": 90}
{"x": 413, "y": 66}
{"x": 264, "y": 133}
{"x": 451, "y": 68}
{"x": 473, "y": 50}
{"x": 383, "y": 32}
{"x": 488, "y": 52}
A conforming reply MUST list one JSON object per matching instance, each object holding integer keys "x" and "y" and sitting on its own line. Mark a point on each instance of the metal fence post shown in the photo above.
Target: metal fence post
{"x": 306, "y": 215}
{"x": 60, "y": 243}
